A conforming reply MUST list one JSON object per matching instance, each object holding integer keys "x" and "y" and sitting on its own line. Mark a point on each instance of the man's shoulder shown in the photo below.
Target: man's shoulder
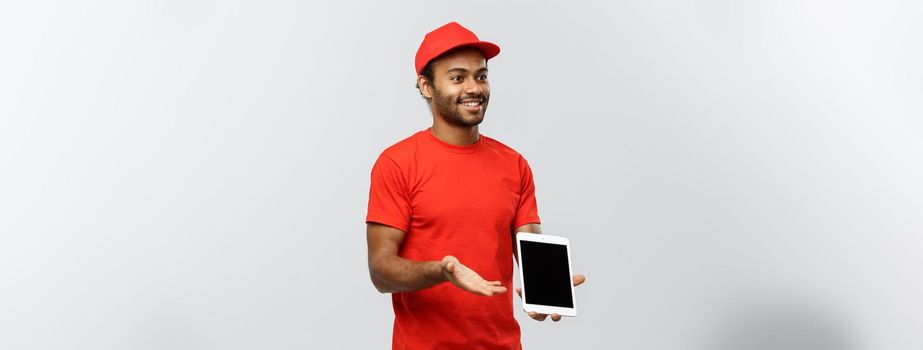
{"x": 501, "y": 148}
{"x": 403, "y": 148}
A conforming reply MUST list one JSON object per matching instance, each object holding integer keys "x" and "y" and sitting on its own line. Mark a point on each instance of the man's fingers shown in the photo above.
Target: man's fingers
{"x": 519, "y": 291}
{"x": 495, "y": 290}
{"x": 450, "y": 267}
{"x": 579, "y": 279}
{"x": 555, "y": 317}
{"x": 490, "y": 291}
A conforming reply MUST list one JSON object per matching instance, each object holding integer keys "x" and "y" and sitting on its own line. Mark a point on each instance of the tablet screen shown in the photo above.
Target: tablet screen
{"x": 546, "y": 274}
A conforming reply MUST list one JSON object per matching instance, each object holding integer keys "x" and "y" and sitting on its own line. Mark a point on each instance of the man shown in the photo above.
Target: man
{"x": 444, "y": 206}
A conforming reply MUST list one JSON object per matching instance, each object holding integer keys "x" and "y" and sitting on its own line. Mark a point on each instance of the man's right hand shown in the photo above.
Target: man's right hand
{"x": 465, "y": 278}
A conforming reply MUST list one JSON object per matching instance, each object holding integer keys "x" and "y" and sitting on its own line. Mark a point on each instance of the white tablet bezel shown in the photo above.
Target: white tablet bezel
{"x": 546, "y": 309}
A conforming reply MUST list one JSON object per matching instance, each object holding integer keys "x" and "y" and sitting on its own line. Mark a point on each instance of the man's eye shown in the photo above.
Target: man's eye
{"x": 483, "y": 77}
{"x": 455, "y": 78}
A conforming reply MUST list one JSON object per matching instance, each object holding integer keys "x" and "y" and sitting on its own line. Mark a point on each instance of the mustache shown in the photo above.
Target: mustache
{"x": 482, "y": 97}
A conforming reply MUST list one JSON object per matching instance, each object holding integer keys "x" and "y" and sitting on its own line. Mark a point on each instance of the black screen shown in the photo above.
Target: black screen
{"x": 546, "y": 274}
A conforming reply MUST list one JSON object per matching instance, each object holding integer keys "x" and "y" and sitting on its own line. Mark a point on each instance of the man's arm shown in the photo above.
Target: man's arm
{"x": 391, "y": 273}
{"x": 529, "y": 228}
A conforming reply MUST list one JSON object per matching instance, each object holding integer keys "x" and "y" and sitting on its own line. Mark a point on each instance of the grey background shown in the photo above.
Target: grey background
{"x": 194, "y": 174}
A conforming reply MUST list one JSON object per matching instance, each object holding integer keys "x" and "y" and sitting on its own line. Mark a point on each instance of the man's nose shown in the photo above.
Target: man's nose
{"x": 473, "y": 87}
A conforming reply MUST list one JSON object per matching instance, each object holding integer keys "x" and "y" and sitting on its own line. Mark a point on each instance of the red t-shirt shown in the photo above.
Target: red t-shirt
{"x": 460, "y": 201}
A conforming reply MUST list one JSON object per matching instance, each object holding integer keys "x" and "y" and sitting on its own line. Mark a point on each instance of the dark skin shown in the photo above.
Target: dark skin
{"x": 458, "y": 97}
{"x": 459, "y": 76}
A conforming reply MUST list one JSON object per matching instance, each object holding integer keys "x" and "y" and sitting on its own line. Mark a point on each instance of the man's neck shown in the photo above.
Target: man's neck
{"x": 456, "y": 135}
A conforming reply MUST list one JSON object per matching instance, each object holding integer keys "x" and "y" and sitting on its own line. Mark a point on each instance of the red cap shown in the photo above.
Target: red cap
{"x": 447, "y": 37}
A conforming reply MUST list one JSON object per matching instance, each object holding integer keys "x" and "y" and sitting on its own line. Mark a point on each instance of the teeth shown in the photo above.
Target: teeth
{"x": 471, "y": 103}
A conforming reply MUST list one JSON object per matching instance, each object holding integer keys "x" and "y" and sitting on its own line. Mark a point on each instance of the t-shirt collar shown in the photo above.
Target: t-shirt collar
{"x": 474, "y": 147}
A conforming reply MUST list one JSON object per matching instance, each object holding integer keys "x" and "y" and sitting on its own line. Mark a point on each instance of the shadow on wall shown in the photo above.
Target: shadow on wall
{"x": 781, "y": 327}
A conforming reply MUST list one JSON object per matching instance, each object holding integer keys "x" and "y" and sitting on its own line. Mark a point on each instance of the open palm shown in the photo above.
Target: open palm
{"x": 465, "y": 278}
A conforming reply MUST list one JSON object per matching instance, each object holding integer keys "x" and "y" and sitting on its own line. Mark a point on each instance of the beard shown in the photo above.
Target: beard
{"x": 450, "y": 110}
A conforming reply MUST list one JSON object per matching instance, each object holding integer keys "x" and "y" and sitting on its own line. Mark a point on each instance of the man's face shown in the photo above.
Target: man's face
{"x": 460, "y": 87}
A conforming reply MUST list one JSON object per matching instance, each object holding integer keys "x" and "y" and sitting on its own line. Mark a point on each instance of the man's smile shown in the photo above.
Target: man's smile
{"x": 472, "y": 104}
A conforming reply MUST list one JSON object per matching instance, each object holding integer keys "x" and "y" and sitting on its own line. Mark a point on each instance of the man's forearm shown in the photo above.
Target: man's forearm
{"x": 391, "y": 274}
{"x": 528, "y": 228}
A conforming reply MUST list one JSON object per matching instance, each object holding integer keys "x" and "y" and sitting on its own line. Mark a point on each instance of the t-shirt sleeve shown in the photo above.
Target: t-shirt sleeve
{"x": 527, "y": 209}
{"x": 388, "y": 199}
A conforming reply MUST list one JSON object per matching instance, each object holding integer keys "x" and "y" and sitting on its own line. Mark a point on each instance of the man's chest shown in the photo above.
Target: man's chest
{"x": 465, "y": 193}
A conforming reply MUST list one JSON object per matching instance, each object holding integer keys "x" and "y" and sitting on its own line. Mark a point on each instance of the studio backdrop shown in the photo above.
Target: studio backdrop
{"x": 195, "y": 174}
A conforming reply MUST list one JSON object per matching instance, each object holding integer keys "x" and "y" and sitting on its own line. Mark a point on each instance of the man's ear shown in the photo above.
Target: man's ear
{"x": 426, "y": 89}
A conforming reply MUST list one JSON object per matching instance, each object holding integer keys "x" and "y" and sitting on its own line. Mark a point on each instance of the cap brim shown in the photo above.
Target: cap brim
{"x": 490, "y": 50}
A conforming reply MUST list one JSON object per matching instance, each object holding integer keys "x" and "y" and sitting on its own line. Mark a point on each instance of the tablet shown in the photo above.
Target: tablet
{"x": 547, "y": 279}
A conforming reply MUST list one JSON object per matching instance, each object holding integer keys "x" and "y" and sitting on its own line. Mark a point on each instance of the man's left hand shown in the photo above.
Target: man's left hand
{"x": 578, "y": 280}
